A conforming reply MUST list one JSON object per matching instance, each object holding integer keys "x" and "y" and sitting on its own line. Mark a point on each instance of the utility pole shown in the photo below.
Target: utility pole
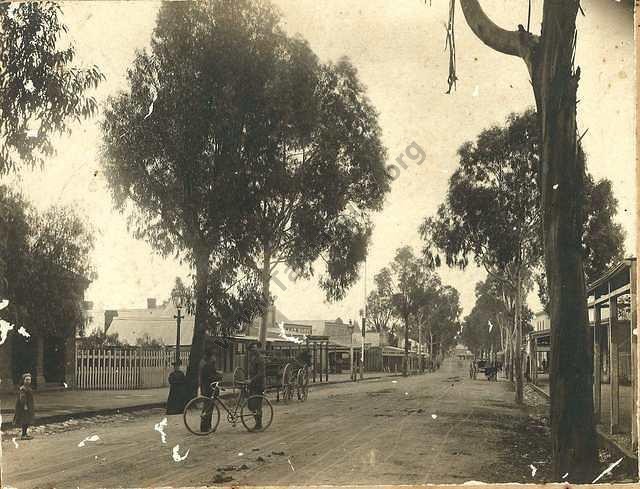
{"x": 364, "y": 320}
{"x": 420, "y": 346}
{"x": 351, "y": 328}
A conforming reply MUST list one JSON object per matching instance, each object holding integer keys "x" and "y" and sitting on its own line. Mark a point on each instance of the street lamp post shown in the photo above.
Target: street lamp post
{"x": 351, "y": 370}
{"x": 178, "y": 388}
{"x": 178, "y": 319}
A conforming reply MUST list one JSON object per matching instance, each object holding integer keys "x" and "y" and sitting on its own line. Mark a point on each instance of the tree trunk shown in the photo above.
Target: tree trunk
{"x": 512, "y": 367}
{"x": 571, "y": 374}
{"x": 200, "y": 320}
{"x": 405, "y": 367}
{"x": 266, "y": 298}
{"x": 549, "y": 59}
{"x": 509, "y": 355}
{"x": 518, "y": 341}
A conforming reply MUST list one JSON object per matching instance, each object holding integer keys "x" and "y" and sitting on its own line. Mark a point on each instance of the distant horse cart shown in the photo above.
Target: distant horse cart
{"x": 491, "y": 371}
{"x": 289, "y": 378}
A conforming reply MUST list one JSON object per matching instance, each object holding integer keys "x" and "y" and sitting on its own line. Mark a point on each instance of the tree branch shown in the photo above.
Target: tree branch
{"x": 514, "y": 43}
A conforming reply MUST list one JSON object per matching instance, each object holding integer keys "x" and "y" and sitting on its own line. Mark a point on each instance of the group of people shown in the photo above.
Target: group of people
{"x": 256, "y": 381}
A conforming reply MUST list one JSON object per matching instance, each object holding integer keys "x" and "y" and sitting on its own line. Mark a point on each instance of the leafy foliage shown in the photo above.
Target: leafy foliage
{"x": 320, "y": 173}
{"x": 491, "y": 212}
{"x": 410, "y": 294}
{"x": 146, "y": 341}
{"x": 47, "y": 266}
{"x": 489, "y": 324}
{"x": 233, "y": 301}
{"x": 380, "y": 314}
{"x": 99, "y": 339}
{"x": 40, "y": 87}
{"x": 177, "y": 143}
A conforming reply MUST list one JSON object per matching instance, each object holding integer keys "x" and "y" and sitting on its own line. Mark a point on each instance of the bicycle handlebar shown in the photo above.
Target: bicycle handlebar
{"x": 216, "y": 385}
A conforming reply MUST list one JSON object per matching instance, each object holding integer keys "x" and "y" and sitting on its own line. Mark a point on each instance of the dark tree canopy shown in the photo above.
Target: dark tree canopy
{"x": 410, "y": 295}
{"x": 46, "y": 268}
{"x": 231, "y": 140}
{"x": 41, "y": 89}
{"x": 603, "y": 238}
{"x": 493, "y": 203}
{"x": 491, "y": 212}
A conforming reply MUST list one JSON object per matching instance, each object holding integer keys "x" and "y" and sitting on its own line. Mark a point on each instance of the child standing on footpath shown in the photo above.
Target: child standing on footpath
{"x": 24, "y": 413}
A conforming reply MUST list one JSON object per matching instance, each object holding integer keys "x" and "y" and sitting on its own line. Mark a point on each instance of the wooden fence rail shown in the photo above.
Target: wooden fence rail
{"x": 125, "y": 368}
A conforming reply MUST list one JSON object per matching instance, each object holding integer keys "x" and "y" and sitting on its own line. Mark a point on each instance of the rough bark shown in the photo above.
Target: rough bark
{"x": 571, "y": 373}
{"x": 549, "y": 59}
{"x": 266, "y": 298}
{"x": 200, "y": 320}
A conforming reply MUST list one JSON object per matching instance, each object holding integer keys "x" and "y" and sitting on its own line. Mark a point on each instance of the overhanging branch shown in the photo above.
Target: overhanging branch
{"x": 514, "y": 43}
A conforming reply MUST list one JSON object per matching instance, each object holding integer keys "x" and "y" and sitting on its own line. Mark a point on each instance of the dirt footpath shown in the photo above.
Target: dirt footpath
{"x": 433, "y": 428}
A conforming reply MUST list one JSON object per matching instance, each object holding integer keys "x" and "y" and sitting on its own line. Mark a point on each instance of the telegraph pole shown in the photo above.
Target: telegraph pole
{"x": 364, "y": 321}
{"x": 421, "y": 364}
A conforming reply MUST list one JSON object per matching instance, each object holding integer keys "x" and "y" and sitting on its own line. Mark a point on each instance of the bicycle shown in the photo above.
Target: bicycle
{"x": 202, "y": 413}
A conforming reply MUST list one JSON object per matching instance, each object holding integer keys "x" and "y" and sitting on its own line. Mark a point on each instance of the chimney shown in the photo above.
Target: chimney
{"x": 151, "y": 303}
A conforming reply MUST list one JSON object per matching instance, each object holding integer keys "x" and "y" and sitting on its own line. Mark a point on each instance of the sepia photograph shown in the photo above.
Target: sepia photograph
{"x": 310, "y": 242}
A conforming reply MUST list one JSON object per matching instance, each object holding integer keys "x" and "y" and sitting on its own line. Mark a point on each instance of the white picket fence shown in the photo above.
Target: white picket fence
{"x": 125, "y": 368}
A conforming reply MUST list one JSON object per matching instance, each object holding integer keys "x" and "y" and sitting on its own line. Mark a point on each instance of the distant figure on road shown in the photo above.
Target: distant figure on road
{"x": 544, "y": 365}
{"x": 25, "y": 406}
{"x": 491, "y": 371}
{"x": 472, "y": 370}
{"x": 257, "y": 380}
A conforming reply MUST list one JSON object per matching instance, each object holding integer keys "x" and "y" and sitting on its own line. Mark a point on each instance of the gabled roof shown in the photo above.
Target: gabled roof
{"x": 158, "y": 323}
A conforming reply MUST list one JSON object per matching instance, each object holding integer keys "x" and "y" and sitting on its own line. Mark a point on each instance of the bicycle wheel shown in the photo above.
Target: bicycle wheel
{"x": 201, "y": 415}
{"x": 302, "y": 382}
{"x": 287, "y": 376}
{"x": 256, "y": 413}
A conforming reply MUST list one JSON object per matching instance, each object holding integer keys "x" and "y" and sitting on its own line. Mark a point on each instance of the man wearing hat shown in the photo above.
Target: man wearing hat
{"x": 257, "y": 379}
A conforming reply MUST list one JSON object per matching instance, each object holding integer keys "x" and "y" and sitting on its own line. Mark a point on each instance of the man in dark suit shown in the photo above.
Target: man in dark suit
{"x": 257, "y": 380}
{"x": 208, "y": 374}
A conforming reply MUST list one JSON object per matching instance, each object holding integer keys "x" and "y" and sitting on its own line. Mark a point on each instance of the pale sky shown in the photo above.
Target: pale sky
{"x": 397, "y": 46}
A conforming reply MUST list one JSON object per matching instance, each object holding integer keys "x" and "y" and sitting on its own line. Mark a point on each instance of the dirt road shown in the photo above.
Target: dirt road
{"x": 433, "y": 428}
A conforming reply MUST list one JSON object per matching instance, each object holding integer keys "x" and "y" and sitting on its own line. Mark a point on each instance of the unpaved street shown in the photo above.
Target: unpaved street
{"x": 439, "y": 427}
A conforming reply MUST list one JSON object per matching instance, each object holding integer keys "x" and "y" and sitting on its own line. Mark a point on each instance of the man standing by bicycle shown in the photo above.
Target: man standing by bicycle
{"x": 257, "y": 379}
{"x": 208, "y": 374}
